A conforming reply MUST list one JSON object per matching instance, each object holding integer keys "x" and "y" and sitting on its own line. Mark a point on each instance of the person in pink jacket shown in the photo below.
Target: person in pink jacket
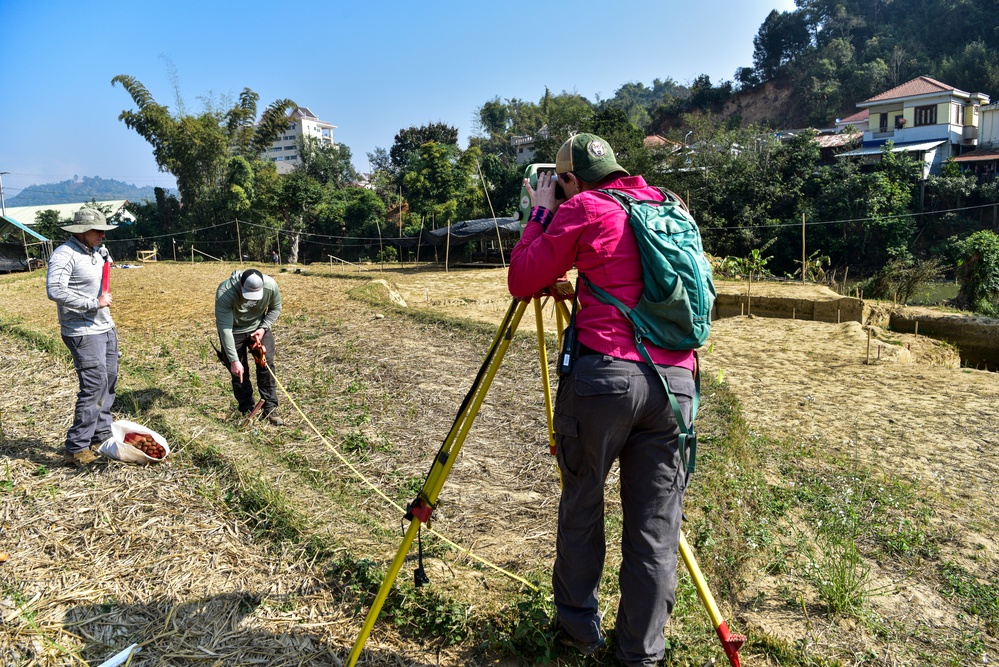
{"x": 610, "y": 406}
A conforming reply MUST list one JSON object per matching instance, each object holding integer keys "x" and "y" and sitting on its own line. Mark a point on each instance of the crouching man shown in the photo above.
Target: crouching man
{"x": 246, "y": 307}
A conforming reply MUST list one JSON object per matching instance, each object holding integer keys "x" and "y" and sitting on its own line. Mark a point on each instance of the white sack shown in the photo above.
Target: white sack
{"x": 117, "y": 449}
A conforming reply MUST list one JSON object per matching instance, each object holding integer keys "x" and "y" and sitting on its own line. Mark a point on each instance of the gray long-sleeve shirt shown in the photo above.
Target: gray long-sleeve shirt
{"x": 234, "y": 314}
{"x": 73, "y": 281}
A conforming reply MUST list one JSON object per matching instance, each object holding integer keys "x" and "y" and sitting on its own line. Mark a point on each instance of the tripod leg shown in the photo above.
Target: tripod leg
{"x": 562, "y": 319}
{"x": 383, "y": 592}
{"x": 730, "y": 642}
{"x": 422, "y": 507}
{"x": 459, "y": 430}
{"x": 545, "y": 379}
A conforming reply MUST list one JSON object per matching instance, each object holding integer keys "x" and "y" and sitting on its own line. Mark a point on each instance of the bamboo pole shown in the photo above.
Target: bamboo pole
{"x": 419, "y": 240}
{"x": 27, "y": 257}
{"x": 381, "y": 248}
{"x": 499, "y": 239}
{"x": 804, "y": 257}
{"x": 239, "y": 242}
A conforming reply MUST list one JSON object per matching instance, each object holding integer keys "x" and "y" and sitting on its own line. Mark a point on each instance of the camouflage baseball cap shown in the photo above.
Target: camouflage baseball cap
{"x": 587, "y": 156}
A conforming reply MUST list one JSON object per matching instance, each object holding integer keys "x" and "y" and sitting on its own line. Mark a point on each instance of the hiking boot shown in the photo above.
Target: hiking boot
{"x": 274, "y": 419}
{"x": 585, "y": 648}
{"x": 80, "y": 459}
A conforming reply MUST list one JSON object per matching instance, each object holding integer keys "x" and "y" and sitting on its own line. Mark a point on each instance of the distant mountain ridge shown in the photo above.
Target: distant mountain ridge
{"x": 81, "y": 190}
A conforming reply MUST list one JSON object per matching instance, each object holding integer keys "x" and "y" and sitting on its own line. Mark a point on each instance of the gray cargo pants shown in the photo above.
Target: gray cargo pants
{"x": 95, "y": 358}
{"x": 608, "y": 409}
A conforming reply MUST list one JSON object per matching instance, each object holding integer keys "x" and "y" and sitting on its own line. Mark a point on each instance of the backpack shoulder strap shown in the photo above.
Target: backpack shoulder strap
{"x": 669, "y": 195}
{"x": 687, "y": 436}
{"x": 626, "y": 200}
{"x": 622, "y": 198}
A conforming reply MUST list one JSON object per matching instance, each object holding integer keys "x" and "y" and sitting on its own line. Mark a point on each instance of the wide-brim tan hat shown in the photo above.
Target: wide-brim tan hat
{"x": 86, "y": 219}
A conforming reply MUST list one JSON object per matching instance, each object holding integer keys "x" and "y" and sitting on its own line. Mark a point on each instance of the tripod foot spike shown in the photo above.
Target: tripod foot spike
{"x": 731, "y": 643}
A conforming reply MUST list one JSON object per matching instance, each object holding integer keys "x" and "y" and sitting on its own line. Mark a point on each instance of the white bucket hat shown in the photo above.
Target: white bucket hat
{"x": 86, "y": 219}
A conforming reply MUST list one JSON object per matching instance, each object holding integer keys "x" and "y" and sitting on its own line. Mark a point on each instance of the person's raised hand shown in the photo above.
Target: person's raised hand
{"x": 543, "y": 193}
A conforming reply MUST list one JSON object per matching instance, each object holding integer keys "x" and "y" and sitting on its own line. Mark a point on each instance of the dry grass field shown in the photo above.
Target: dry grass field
{"x": 842, "y": 511}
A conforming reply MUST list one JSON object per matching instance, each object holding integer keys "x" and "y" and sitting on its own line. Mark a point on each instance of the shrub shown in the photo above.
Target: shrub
{"x": 978, "y": 274}
{"x": 902, "y": 277}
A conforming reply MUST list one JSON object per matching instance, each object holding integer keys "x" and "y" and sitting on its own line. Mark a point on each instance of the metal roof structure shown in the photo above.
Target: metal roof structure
{"x": 897, "y": 148}
{"x": 8, "y": 225}
{"x": 979, "y": 155}
{"x": 837, "y": 140}
{"x": 26, "y": 214}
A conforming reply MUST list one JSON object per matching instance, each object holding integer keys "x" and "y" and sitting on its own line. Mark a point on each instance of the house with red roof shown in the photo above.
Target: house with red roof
{"x": 928, "y": 119}
{"x": 984, "y": 160}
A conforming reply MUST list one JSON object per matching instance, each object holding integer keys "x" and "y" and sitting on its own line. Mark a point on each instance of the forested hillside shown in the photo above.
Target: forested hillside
{"x": 79, "y": 190}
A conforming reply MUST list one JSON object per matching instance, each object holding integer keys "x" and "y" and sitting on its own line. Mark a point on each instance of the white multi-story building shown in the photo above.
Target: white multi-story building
{"x": 928, "y": 119}
{"x": 304, "y": 123}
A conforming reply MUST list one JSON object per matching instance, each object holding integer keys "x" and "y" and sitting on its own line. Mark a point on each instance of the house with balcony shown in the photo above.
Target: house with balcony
{"x": 984, "y": 160}
{"x": 302, "y": 123}
{"x": 928, "y": 119}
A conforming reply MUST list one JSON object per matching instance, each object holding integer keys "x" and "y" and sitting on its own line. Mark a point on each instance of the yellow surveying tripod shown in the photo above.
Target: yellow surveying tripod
{"x": 418, "y": 512}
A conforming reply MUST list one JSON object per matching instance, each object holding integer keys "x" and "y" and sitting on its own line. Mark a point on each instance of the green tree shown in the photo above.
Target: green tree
{"x": 564, "y": 115}
{"x": 628, "y": 141}
{"x": 196, "y": 149}
{"x": 978, "y": 274}
{"x": 49, "y": 225}
{"x": 329, "y": 164}
{"x": 298, "y": 201}
{"x": 437, "y": 177}
{"x": 408, "y": 141}
{"x": 782, "y": 38}
{"x": 976, "y": 67}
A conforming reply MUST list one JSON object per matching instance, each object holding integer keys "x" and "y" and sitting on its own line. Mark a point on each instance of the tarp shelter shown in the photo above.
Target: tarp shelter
{"x": 462, "y": 233}
{"x": 14, "y": 256}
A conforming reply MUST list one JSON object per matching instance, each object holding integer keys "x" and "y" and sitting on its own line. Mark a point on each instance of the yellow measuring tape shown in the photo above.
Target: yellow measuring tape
{"x": 391, "y": 502}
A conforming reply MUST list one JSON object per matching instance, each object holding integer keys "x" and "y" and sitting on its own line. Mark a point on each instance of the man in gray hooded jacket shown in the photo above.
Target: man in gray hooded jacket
{"x": 78, "y": 280}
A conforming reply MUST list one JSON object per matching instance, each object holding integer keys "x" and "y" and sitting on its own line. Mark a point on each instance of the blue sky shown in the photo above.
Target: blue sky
{"x": 370, "y": 68}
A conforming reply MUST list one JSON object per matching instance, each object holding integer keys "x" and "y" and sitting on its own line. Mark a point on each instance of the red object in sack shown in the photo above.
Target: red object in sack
{"x": 106, "y": 278}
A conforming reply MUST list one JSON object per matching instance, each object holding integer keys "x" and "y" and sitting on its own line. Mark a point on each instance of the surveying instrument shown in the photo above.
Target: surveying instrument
{"x": 419, "y": 511}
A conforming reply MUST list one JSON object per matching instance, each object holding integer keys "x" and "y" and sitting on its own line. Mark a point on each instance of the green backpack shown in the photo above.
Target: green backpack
{"x": 674, "y": 311}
